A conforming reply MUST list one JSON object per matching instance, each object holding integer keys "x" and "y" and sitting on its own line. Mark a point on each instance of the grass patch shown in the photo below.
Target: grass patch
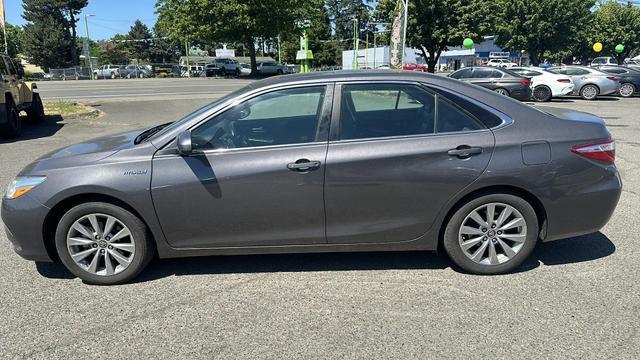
{"x": 68, "y": 109}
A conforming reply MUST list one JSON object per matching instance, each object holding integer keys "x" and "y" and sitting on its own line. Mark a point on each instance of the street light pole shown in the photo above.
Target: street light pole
{"x": 86, "y": 26}
{"x": 355, "y": 43}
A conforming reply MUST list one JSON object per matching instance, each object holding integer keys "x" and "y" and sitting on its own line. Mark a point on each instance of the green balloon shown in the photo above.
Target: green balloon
{"x": 619, "y": 48}
{"x": 467, "y": 43}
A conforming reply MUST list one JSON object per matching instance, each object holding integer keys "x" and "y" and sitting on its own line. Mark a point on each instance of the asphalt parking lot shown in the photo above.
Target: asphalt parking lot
{"x": 576, "y": 298}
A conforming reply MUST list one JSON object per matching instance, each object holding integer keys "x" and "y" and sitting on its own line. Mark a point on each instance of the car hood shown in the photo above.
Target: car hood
{"x": 83, "y": 153}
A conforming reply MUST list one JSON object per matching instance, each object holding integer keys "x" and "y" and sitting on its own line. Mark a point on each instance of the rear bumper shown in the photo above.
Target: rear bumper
{"x": 23, "y": 220}
{"x": 583, "y": 211}
{"x": 565, "y": 90}
{"x": 610, "y": 89}
{"x": 522, "y": 94}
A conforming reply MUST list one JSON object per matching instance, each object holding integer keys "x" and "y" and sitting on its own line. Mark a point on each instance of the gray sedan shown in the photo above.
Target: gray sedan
{"x": 322, "y": 162}
{"x": 589, "y": 83}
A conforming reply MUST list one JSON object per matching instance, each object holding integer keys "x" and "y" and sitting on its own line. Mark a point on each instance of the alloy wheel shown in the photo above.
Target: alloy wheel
{"x": 101, "y": 244}
{"x": 589, "y": 92}
{"x": 492, "y": 234}
{"x": 502, "y": 92}
{"x": 626, "y": 90}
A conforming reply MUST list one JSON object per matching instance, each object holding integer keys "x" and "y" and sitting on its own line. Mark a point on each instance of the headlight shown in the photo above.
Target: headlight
{"x": 22, "y": 185}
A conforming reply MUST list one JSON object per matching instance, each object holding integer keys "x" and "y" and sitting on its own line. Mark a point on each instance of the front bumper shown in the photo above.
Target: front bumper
{"x": 23, "y": 220}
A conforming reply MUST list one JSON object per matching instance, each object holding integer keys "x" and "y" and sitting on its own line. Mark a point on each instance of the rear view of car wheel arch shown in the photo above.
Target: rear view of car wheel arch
{"x": 491, "y": 234}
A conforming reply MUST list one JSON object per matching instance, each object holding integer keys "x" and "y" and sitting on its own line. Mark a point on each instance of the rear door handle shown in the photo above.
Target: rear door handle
{"x": 465, "y": 151}
{"x": 303, "y": 165}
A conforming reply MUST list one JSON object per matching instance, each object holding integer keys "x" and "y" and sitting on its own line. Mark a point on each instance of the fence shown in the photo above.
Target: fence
{"x": 73, "y": 73}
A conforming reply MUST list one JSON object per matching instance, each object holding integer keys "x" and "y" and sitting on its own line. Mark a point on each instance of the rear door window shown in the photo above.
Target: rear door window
{"x": 462, "y": 74}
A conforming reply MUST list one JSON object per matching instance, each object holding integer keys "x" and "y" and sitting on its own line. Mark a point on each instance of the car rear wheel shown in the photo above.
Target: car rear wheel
{"x": 103, "y": 244}
{"x": 36, "y": 112}
{"x": 627, "y": 90}
{"x": 589, "y": 92}
{"x": 113, "y": 75}
{"x": 502, "y": 91}
{"x": 542, "y": 93}
{"x": 492, "y": 234}
{"x": 13, "y": 127}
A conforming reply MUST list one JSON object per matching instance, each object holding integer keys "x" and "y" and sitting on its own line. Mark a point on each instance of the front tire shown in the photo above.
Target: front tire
{"x": 542, "y": 94}
{"x": 103, "y": 244}
{"x": 589, "y": 92}
{"x": 491, "y": 234}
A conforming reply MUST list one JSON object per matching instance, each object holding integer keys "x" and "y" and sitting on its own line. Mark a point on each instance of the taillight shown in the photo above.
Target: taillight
{"x": 525, "y": 82}
{"x": 603, "y": 151}
{"x": 566, "y": 81}
{"x": 613, "y": 78}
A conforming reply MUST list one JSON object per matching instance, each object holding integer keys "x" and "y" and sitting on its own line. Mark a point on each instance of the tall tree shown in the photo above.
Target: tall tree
{"x": 241, "y": 21}
{"x": 325, "y": 48}
{"x": 139, "y": 41}
{"x": 615, "y": 23}
{"x": 14, "y": 40}
{"x": 342, "y": 14}
{"x": 163, "y": 49}
{"x": 542, "y": 26}
{"x": 59, "y": 17}
{"x": 435, "y": 24}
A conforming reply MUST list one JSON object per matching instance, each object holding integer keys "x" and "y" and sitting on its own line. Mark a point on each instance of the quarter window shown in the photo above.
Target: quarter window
{"x": 277, "y": 118}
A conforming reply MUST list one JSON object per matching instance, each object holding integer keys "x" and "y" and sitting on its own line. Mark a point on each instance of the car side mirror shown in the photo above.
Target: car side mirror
{"x": 184, "y": 143}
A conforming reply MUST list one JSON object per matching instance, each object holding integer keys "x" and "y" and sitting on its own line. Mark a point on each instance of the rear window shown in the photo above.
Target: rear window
{"x": 488, "y": 118}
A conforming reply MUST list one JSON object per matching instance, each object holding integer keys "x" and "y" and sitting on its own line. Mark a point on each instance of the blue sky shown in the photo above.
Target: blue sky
{"x": 111, "y": 16}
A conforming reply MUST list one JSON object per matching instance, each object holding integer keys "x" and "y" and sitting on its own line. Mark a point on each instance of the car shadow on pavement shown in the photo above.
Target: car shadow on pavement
{"x": 30, "y": 131}
{"x": 573, "y": 250}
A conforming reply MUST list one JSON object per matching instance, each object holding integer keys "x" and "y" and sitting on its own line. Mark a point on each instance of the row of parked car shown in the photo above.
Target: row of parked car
{"x": 538, "y": 84}
{"x": 223, "y": 67}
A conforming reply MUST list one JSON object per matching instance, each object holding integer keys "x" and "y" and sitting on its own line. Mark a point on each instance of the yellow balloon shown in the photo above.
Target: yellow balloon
{"x": 597, "y": 47}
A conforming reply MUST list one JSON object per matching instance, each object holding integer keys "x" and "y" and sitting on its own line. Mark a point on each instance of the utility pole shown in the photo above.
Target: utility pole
{"x": 86, "y": 27}
{"x": 375, "y": 39}
{"x": 186, "y": 48}
{"x": 355, "y": 43}
{"x": 279, "y": 53}
{"x": 366, "y": 51}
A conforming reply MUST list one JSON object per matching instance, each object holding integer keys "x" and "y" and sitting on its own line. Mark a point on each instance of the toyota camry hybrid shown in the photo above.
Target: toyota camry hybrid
{"x": 322, "y": 162}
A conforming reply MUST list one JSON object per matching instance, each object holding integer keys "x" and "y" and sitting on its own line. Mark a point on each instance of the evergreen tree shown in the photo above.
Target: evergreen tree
{"x": 139, "y": 41}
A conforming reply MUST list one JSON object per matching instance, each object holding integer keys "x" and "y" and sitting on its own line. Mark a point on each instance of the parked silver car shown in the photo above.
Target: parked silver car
{"x": 589, "y": 83}
{"x": 273, "y": 68}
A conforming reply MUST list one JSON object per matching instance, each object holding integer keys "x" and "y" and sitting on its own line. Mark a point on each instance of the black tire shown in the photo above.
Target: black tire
{"x": 542, "y": 93}
{"x": 13, "y": 127}
{"x": 279, "y": 72}
{"x": 238, "y": 72}
{"x": 589, "y": 92}
{"x": 144, "y": 245}
{"x": 451, "y": 235}
{"x": 502, "y": 91}
{"x": 627, "y": 90}
{"x": 113, "y": 75}
{"x": 36, "y": 112}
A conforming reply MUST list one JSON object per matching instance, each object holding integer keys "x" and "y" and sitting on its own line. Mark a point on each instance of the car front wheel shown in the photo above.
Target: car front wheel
{"x": 103, "y": 244}
{"x": 13, "y": 127}
{"x": 36, "y": 112}
{"x": 491, "y": 234}
{"x": 542, "y": 94}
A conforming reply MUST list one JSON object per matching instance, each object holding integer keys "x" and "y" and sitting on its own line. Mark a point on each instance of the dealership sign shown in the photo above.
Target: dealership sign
{"x": 499, "y": 54}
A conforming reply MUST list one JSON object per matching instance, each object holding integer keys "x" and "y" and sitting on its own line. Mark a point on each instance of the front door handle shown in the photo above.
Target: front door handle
{"x": 464, "y": 151}
{"x": 303, "y": 165}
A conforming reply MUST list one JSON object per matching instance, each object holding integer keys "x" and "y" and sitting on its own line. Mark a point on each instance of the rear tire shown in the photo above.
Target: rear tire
{"x": 123, "y": 257}
{"x": 502, "y": 91}
{"x": 13, "y": 128}
{"x": 36, "y": 113}
{"x": 589, "y": 92}
{"x": 542, "y": 93}
{"x": 627, "y": 90}
{"x": 493, "y": 247}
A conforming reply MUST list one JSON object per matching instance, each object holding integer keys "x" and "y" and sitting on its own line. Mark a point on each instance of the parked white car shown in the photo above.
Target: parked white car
{"x": 503, "y": 63}
{"x": 605, "y": 60}
{"x": 546, "y": 85}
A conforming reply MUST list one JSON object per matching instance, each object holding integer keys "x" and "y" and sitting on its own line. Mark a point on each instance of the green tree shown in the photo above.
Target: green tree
{"x": 615, "y": 23}
{"x": 50, "y": 33}
{"x": 14, "y": 40}
{"x": 162, "y": 48}
{"x": 542, "y": 26}
{"x": 139, "y": 41}
{"x": 112, "y": 53}
{"x": 325, "y": 49}
{"x": 342, "y": 13}
{"x": 435, "y": 24}
{"x": 234, "y": 21}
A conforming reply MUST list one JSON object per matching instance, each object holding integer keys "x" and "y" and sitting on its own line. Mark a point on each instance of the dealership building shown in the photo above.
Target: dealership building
{"x": 454, "y": 58}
